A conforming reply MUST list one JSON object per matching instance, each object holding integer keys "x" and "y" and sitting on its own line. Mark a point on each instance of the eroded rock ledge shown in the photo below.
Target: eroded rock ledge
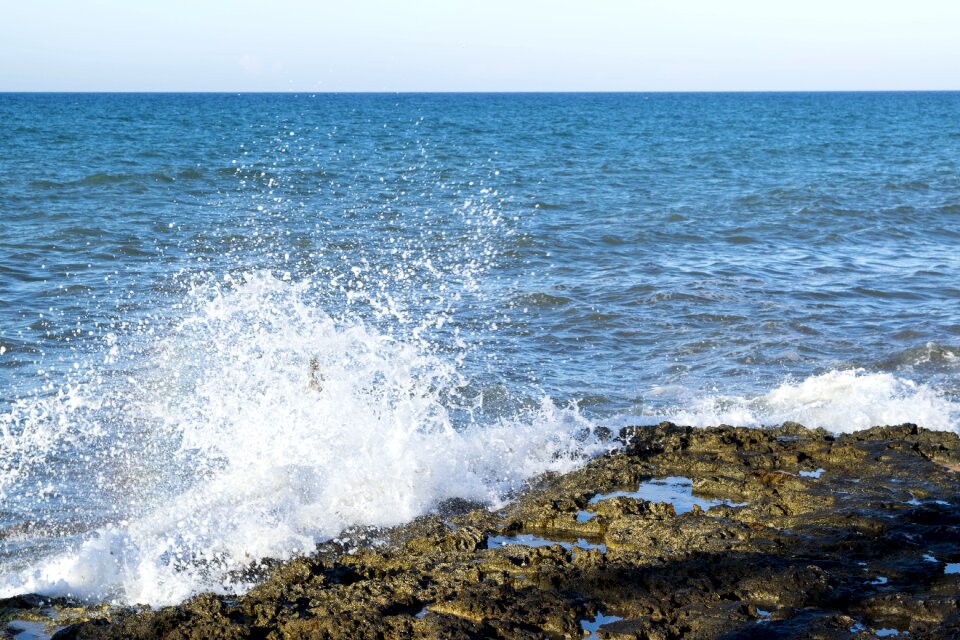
{"x": 833, "y": 537}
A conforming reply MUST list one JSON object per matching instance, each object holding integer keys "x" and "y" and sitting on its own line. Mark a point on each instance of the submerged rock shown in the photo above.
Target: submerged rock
{"x": 783, "y": 554}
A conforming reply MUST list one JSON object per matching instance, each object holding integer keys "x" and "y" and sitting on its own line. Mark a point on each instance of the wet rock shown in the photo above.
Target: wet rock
{"x": 838, "y": 553}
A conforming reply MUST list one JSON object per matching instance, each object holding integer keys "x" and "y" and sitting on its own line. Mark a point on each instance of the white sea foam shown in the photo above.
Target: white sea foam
{"x": 264, "y": 425}
{"x": 840, "y": 401}
{"x": 273, "y": 426}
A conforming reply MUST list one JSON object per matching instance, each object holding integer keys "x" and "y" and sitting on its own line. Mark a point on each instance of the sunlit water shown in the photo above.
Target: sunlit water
{"x": 233, "y": 326}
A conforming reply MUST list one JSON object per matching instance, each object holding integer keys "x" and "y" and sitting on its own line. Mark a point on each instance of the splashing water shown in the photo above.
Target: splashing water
{"x": 270, "y": 426}
{"x": 840, "y": 401}
{"x": 232, "y": 326}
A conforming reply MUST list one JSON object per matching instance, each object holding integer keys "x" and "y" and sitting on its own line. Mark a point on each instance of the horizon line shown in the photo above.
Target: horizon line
{"x": 459, "y": 92}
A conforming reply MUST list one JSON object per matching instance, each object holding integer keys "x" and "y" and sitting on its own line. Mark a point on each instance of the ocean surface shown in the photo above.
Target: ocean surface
{"x": 232, "y": 326}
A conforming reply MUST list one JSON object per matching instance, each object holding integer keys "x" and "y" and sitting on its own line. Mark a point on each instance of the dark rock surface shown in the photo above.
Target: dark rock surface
{"x": 860, "y": 549}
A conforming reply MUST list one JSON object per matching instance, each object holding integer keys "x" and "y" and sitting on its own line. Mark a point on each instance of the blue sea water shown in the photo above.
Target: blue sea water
{"x": 233, "y": 325}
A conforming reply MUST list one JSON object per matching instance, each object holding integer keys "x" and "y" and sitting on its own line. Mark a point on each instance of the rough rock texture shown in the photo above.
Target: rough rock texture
{"x": 860, "y": 549}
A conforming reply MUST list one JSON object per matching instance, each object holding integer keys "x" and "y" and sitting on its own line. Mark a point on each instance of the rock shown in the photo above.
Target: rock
{"x": 838, "y": 554}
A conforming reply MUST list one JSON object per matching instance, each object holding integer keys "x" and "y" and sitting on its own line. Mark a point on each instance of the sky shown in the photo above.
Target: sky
{"x": 489, "y": 45}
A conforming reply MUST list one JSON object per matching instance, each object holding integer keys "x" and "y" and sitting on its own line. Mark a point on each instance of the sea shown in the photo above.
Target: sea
{"x": 234, "y": 326}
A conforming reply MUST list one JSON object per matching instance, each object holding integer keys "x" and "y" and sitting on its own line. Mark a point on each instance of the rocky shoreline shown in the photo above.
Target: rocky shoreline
{"x": 680, "y": 533}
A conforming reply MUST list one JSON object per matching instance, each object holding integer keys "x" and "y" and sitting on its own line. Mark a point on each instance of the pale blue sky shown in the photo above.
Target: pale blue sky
{"x": 498, "y": 45}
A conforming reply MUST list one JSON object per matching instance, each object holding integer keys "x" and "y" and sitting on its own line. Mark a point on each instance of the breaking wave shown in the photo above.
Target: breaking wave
{"x": 261, "y": 427}
{"x": 841, "y": 401}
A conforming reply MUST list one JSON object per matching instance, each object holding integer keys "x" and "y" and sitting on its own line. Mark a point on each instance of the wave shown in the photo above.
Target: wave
{"x": 261, "y": 427}
{"x": 841, "y": 401}
{"x": 928, "y": 356}
{"x": 101, "y": 179}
